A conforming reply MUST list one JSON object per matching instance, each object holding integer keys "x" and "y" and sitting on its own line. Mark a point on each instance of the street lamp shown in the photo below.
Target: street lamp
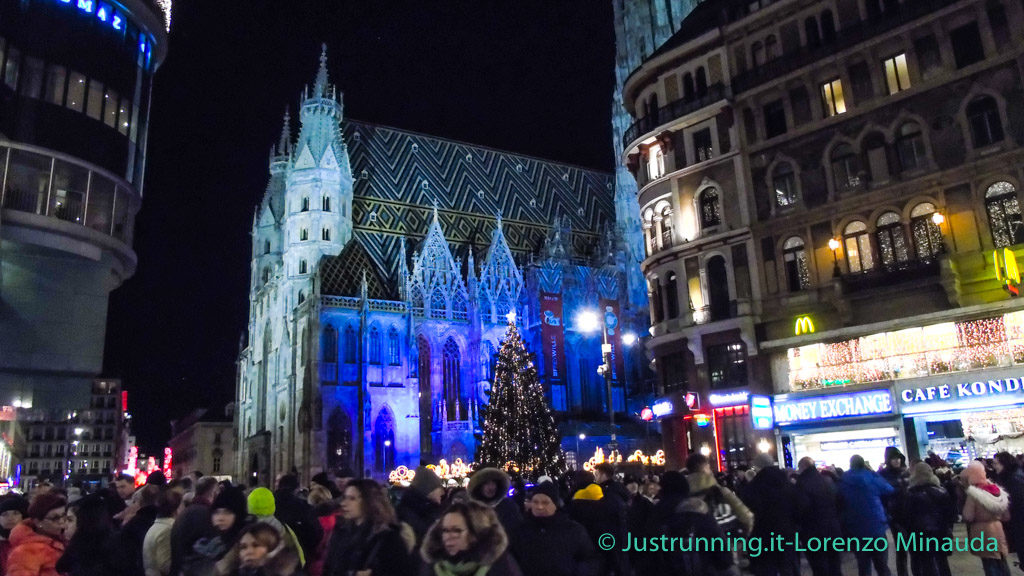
{"x": 833, "y": 245}
{"x": 938, "y": 219}
{"x": 588, "y": 321}
{"x": 628, "y": 339}
{"x": 579, "y": 457}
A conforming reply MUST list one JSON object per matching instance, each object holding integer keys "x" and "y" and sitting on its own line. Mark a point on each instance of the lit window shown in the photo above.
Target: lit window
{"x": 655, "y": 162}
{"x": 857, "y": 244}
{"x": 110, "y": 107}
{"x": 76, "y": 92}
{"x": 832, "y": 97}
{"x": 702, "y": 145}
{"x": 1004, "y": 215}
{"x": 784, "y": 182}
{"x": 798, "y": 275}
{"x": 893, "y": 249}
{"x": 896, "y": 75}
{"x": 94, "y": 105}
{"x": 124, "y": 118}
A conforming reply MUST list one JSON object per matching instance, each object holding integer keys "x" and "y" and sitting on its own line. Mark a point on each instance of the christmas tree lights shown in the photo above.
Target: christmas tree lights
{"x": 520, "y": 435}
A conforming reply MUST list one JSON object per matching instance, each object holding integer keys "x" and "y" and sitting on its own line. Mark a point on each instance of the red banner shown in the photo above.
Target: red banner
{"x": 610, "y": 311}
{"x": 553, "y": 335}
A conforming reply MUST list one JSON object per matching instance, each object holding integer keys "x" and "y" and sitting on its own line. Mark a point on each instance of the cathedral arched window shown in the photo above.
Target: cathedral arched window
{"x": 305, "y": 204}
{"x": 450, "y": 376}
{"x": 303, "y": 234}
{"x": 459, "y": 305}
{"x": 330, "y": 344}
{"x": 327, "y": 203}
{"x": 303, "y": 267}
{"x": 325, "y": 235}
{"x": 375, "y": 346}
{"x": 437, "y": 304}
{"x": 394, "y": 350}
{"x": 710, "y": 213}
{"x": 350, "y": 345}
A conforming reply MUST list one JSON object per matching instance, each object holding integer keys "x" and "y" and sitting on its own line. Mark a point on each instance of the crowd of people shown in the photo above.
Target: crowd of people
{"x": 589, "y": 524}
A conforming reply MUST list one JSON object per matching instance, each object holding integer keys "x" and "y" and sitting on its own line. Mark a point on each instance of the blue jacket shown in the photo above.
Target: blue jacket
{"x": 863, "y": 514}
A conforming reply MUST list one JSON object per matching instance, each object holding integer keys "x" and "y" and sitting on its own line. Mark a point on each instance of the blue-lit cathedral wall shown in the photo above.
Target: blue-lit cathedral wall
{"x": 388, "y": 262}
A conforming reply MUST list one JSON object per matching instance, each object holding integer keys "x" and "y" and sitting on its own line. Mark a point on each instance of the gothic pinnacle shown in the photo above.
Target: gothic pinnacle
{"x": 320, "y": 88}
{"x": 286, "y": 134}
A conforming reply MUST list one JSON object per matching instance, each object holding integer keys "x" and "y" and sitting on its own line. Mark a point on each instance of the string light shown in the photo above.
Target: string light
{"x": 457, "y": 470}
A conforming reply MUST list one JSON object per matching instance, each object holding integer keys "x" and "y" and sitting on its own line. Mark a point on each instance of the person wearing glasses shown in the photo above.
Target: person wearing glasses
{"x": 38, "y": 542}
{"x": 469, "y": 539}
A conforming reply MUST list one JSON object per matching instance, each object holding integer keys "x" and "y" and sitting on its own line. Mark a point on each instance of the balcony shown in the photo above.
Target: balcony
{"x": 671, "y": 111}
{"x": 910, "y": 271}
{"x": 845, "y": 38}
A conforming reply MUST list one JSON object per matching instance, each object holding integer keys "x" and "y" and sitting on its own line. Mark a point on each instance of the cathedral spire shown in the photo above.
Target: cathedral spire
{"x": 284, "y": 145}
{"x": 320, "y": 88}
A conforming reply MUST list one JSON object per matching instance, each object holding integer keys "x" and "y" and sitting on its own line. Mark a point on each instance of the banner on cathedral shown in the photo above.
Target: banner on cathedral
{"x": 552, "y": 331}
{"x": 610, "y": 311}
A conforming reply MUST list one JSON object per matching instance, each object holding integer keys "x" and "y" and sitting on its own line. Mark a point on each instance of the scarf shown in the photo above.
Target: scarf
{"x": 464, "y": 568}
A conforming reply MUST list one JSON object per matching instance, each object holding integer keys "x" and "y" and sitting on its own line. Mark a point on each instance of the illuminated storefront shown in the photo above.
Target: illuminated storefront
{"x": 830, "y": 428}
{"x": 735, "y": 440}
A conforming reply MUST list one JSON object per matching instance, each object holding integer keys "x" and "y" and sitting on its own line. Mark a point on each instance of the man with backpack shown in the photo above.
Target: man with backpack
{"x": 731, "y": 514}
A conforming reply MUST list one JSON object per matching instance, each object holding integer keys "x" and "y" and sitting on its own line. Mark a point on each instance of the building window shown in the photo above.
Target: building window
{"x": 702, "y": 82}
{"x": 801, "y": 105}
{"x": 451, "y": 376}
{"x": 929, "y": 58}
{"x": 350, "y": 345}
{"x": 305, "y": 204}
{"x": 303, "y": 267}
{"x": 688, "y": 89}
{"x": 983, "y": 119}
{"x": 832, "y": 97}
{"x": 710, "y": 212}
{"x": 76, "y": 92}
{"x": 784, "y": 184}
{"x": 655, "y": 162}
{"x": 327, "y": 203}
{"x": 910, "y": 146}
{"x": 727, "y": 365}
{"x": 303, "y": 234}
{"x": 702, "y": 145}
{"x": 1004, "y": 217}
{"x": 394, "y": 351}
{"x": 999, "y": 24}
{"x": 56, "y": 78}
{"x": 325, "y": 234}
{"x": 897, "y": 77}
{"x": 846, "y": 168}
{"x": 860, "y": 82}
{"x": 330, "y": 343}
{"x": 794, "y": 257}
{"x": 216, "y": 465}
{"x": 892, "y": 242}
{"x": 857, "y": 245}
{"x": 266, "y": 246}
{"x": 266, "y": 275}
{"x": 967, "y": 47}
{"x": 672, "y": 295}
{"x": 655, "y": 298}
{"x": 666, "y": 226}
{"x": 757, "y": 54}
{"x": 774, "y": 119}
{"x": 375, "y": 346}
{"x": 811, "y": 31}
{"x": 94, "y": 103}
{"x": 771, "y": 48}
{"x": 925, "y": 232}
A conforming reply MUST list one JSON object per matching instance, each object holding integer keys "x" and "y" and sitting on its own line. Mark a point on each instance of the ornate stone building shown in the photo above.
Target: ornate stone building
{"x": 384, "y": 265}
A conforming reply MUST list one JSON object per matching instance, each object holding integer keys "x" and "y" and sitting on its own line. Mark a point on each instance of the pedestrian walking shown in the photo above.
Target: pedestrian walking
{"x": 896, "y": 474}
{"x": 728, "y": 509}
{"x": 776, "y": 505}
{"x": 468, "y": 540}
{"x": 38, "y": 542}
{"x": 368, "y": 541}
{"x": 420, "y": 505}
{"x": 985, "y": 505}
{"x": 863, "y": 513}
{"x": 489, "y": 486}
{"x": 548, "y": 542}
{"x": 819, "y": 517}
{"x": 1010, "y": 476}
{"x": 926, "y": 510}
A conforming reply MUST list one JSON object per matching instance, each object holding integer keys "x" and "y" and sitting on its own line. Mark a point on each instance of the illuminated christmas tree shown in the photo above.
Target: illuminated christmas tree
{"x": 520, "y": 435}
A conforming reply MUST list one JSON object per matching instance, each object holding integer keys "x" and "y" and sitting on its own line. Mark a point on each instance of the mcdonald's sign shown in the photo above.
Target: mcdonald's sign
{"x": 1006, "y": 270}
{"x": 804, "y": 325}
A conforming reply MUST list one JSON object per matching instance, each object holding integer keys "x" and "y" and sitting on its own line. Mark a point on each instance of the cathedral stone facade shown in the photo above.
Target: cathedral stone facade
{"x": 385, "y": 267}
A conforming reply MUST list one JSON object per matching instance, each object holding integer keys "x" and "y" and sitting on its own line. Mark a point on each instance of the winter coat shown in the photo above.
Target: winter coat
{"x": 704, "y": 486}
{"x": 863, "y": 514}
{"x": 353, "y": 548}
{"x": 156, "y": 548}
{"x": 133, "y": 534}
{"x": 33, "y": 553}
{"x": 820, "y": 515}
{"x": 418, "y": 511}
{"x": 5, "y": 551}
{"x": 639, "y": 510}
{"x": 985, "y": 506}
{"x": 601, "y": 517}
{"x": 506, "y": 509}
{"x": 775, "y": 503}
{"x": 676, "y": 516}
{"x": 298, "y": 515}
{"x": 926, "y": 509}
{"x": 327, "y": 515}
{"x": 489, "y": 556}
{"x": 1014, "y": 485}
{"x": 555, "y": 545}
{"x": 898, "y": 478}
{"x": 194, "y": 523}
{"x": 95, "y": 555}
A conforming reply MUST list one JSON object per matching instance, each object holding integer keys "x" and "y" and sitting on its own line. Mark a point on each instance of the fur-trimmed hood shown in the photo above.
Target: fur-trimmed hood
{"x": 489, "y": 546}
{"x": 483, "y": 476}
{"x": 996, "y": 504}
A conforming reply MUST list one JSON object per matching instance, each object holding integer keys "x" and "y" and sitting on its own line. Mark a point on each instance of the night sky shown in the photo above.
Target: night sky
{"x": 528, "y": 76}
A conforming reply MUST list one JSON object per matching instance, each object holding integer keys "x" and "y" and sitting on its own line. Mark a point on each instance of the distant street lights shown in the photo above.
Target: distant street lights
{"x": 589, "y": 321}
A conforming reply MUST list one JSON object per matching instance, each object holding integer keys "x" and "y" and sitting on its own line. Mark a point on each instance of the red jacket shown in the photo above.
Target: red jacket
{"x": 316, "y": 561}
{"x": 32, "y": 553}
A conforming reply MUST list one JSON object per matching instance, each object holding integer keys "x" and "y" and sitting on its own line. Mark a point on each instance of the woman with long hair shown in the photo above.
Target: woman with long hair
{"x": 468, "y": 540}
{"x": 95, "y": 547}
{"x": 367, "y": 540}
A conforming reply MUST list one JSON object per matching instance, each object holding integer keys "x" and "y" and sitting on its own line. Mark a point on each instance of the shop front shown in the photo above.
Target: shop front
{"x": 960, "y": 417}
{"x": 830, "y": 428}
{"x": 735, "y": 440}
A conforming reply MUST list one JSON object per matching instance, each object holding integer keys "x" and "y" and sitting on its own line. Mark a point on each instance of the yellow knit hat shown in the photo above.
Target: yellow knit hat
{"x": 592, "y": 492}
{"x": 261, "y": 502}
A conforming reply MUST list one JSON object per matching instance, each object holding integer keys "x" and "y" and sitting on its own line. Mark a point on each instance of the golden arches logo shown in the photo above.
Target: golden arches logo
{"x": 804, "y": 325}
{"x": 1007, "y": 271}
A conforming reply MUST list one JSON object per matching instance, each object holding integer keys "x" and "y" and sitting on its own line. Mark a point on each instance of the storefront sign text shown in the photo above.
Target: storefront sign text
{"x": 964, "y": 391}
{"x": 729, "y": 399}
{"x": 869, "y": 403}
{"x": 761, "y": 412}
{"x": 662, "y": 408}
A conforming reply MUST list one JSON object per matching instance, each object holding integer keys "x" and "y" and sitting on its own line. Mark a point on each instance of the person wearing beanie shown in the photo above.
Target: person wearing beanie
{"x": 895, "y": 472}
{"x": 776, "y": 506}
{"x": 216, "y": 554}
{"x": 985, "y": 507}
{"x": 489, "y": 486}
{"x": 262, "y": 506}
{"x": 863, "y": 491}
{"x": 295, "y": 513}
{"x": 13, "y": 509}
{"x": 1010, "y": 477}
{"x": 599, "y": 514}
{"x": 549, "y": 542}
{"x": 420, "y": 505}
{"x": 38, "y": 542}
{"x": 820, "y": 517}
{"x": 927, "y": 509}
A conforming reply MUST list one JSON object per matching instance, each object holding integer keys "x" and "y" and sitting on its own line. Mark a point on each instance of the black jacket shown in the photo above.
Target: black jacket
{"x": 194, "y": 523}
{"x": 354, "y": 548}
{"x": 298, "y": 515}
{"x": 819, "y": 516}
{"x": 133, "y": 533}
{"x": 418, "y": 511}
{"x": 1014, "y": 484}
{"x": 926, "y": 508}
{"x": 676, "y": 516}
{"x": 95, "y": 555}
{"x": 556, "y": 546}
{"x": 601, "y": 517}
{"x": 775, "y": 502}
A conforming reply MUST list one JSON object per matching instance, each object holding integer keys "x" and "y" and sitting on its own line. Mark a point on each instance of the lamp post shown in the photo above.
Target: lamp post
{"x": 588, "y": 321}
{"x": 579, "y": 457}
{"x": 938, "y": 219}
{"x": 833, "y": 245}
